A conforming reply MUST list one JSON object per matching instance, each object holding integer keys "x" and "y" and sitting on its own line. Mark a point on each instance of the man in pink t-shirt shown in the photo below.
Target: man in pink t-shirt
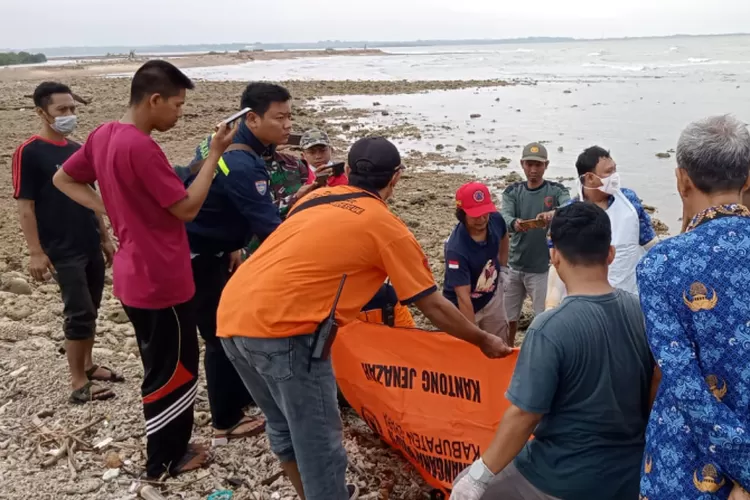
{"x": 316, "y": 153}
{"x": 148, "y": 207}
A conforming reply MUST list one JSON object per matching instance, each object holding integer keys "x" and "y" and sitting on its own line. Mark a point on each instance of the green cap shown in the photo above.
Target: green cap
{"x": 534, "y": 152}
{"x": 314, "y": 137}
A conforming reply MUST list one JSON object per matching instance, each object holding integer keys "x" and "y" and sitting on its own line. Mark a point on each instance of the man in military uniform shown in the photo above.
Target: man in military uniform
{"x": 254, "y": 185}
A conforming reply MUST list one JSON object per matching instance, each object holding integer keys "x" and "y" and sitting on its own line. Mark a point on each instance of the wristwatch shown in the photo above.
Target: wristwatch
{"x": 480, "y": 473}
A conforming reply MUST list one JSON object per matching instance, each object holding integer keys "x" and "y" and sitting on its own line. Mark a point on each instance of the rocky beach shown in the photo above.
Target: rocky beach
{"x": 50, "y": 449}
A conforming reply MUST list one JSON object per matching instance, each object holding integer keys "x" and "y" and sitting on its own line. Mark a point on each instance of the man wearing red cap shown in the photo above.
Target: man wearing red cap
{"x": 476, "y": 260}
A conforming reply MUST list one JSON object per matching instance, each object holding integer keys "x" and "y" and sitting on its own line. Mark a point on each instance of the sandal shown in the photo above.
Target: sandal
{"x": 113, "y": 376}
{"x": 195, "y": 457}
{"x": 258, "y": 428}
{"x": 89, "y": 393}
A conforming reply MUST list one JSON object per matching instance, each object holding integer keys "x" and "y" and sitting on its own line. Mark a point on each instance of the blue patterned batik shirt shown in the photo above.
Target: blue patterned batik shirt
{"x": 695, "y": 294}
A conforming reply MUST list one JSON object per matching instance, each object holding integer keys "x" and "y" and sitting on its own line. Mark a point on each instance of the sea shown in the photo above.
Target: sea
{"x": 632, "y": 97}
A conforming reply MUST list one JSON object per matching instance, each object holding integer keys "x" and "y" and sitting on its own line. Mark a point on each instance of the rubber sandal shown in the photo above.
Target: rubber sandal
{"x": 85, "y": 394}
{"x": 193, "y": 451}
{"x": 113, "y": 376}
{"x": 258, "y": 428}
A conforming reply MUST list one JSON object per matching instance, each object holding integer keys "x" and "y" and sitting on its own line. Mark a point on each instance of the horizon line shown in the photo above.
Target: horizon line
{"x": 394, "y": 43}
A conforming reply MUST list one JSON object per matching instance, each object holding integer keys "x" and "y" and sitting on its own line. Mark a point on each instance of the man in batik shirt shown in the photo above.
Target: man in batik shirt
{"x": 694, "y": 294}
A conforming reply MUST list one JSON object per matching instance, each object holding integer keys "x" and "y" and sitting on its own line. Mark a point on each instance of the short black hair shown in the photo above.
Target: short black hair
{"x": 259, "y": 96}
{"x": 461, "y": 215}
{"x": 45, "y": 90}
{"x": 589, "y": 159}
{"x": 715, "y": 153}
{"x": 158, "y": 77}
{"x": 582, "y": 233}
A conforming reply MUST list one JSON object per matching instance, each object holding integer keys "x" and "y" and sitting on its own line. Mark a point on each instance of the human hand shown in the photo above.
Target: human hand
{"x": 546, "y": 216}
{"x": 504, "y": 276}
{"x": 108, "y": 249}
{"x": 494, "y": 347}
{"x": 468, "y": 488}
{"x": 40, "y": 266}
{"x": 305, "y": 190}
{"x": 235, "y": 259}
{"x": 518, "y": 228}
{"x": 739, "y": 493}
{"x": 222, "y": 139}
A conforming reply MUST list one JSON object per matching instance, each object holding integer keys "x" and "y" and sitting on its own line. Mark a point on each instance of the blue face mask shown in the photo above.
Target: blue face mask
{"x": 65, "y": 125}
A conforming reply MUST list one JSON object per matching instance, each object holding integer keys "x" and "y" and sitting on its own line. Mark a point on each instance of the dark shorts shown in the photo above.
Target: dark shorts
{"x": 81, "y": 281}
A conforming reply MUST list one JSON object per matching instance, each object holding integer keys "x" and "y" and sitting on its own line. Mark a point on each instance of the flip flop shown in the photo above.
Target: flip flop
{"x": 113, "y": 376}
{"x": 229, "y": 434}
{"x": 85, "y": 394}
{"x": 188, "y": 461}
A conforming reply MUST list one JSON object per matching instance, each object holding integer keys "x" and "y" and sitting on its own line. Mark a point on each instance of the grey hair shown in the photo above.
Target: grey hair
{"x": 715, "y": 153}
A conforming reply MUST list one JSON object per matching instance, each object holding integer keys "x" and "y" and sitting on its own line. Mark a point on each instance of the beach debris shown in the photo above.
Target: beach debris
{"x": 439, "y": 147}
{"x": 460, "y": 149}
{"x": 512, "y": 177}
{"x": 663, "y": 155}
{"x": 518, "y": 110}
{"x": 18, "y": 286}
{"x": 376, "y": 103}
{"x": 475, "y": 115}
{"x": 12, "y": 331}
{"x": 560, "y": 149}
{"x": 385, "y": 113}
{"x": 149, "y": 493}
{"x": 659, "y": 226}
{"x": 111, "y": 474}
{"x": 113, "y": 460}
{"x": 567, "y": 91}
{"x": 497, "y": 99}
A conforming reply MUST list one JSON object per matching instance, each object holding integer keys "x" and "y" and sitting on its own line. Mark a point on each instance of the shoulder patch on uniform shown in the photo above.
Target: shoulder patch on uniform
{"x": 514, "y": 186}
{"x": 261, "y": 187}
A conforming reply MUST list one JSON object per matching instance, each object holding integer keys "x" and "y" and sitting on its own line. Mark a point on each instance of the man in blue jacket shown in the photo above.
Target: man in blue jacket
{"x": 242, "y": 205}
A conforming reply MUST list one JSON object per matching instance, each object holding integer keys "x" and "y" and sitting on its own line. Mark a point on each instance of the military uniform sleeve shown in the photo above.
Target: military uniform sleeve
{"x": 249, "y": 191}
{"x": 535, "y": 378}
{"x": 408, "y": 268}
{"x": 716, "y": 430}
{"x": 24, "y": 174}
{"x": 509, "y": 209}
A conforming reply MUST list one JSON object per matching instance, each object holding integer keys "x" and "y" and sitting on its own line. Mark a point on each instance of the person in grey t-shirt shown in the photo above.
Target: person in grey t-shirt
{"x": 535, "y": 198}
{"x": 581, "y": 385}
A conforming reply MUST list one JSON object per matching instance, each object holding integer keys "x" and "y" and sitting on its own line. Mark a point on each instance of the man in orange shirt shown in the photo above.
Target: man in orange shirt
{"x": 276, "y": 301}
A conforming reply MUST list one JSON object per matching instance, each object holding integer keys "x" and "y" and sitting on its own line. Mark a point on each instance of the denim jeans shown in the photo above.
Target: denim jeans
{"x": 303, "y": 423}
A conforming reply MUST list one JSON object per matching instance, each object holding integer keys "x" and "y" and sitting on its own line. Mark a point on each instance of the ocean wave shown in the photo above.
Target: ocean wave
{"x": 673, "y": 49}
{"x": 525, "y": 50}
{"x": 698, "y": 60}
{"x": 619, "y": 67}
{"x": 594, "y": 54}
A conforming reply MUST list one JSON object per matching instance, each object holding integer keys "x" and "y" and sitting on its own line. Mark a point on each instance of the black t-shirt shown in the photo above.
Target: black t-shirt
{"x": 65, "y": 228}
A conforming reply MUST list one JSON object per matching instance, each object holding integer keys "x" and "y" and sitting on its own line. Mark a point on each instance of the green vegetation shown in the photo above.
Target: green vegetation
{"x": 10, "y": 58}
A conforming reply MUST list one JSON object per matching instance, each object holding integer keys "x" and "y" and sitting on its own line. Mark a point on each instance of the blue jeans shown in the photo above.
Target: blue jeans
{"x": 303, "y": 423}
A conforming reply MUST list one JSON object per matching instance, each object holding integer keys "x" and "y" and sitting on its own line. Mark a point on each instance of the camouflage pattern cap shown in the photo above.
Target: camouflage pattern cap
{"x": 314, "y": 137}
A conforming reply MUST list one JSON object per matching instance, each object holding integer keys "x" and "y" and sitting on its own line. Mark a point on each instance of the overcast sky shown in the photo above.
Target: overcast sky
{"x": 55, "y": 23}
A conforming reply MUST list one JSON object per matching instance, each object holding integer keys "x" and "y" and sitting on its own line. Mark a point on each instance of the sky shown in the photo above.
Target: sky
{"x": 52, "y": 23}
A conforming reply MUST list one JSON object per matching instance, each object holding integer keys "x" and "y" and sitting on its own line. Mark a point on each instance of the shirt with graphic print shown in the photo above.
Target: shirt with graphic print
{"x": 695, "y": 298}
{"x": 474, "y": 263}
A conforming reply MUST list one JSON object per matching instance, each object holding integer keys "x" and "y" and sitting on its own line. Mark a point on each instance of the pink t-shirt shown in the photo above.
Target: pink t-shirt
{"x": 152, "y": 267}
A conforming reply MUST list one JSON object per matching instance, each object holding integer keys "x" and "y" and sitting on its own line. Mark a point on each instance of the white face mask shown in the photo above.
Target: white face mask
{"x": 610, "y": 185}
{"x": 65, "y": 125}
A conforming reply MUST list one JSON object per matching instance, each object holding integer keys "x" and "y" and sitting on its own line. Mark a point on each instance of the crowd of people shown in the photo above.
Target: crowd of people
{"x": 631, "y": 379}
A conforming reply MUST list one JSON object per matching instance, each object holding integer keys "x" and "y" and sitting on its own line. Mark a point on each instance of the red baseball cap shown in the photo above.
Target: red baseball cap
{"x": 474, "y": 198}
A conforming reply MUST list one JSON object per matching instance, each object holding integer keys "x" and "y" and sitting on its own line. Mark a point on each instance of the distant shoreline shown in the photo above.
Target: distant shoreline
{"x": 192, "y": 49}
{"x": 108, "y": 65}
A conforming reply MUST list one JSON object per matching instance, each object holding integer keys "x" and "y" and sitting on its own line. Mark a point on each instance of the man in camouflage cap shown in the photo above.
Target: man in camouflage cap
{"x": 317, "y": 152}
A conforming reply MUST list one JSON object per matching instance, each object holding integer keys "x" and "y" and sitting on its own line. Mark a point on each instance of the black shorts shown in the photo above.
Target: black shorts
{"x": 81, "y": 281}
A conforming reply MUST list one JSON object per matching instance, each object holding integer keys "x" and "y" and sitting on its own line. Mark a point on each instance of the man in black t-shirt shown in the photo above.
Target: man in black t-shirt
{"x": 65, "y": 240}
